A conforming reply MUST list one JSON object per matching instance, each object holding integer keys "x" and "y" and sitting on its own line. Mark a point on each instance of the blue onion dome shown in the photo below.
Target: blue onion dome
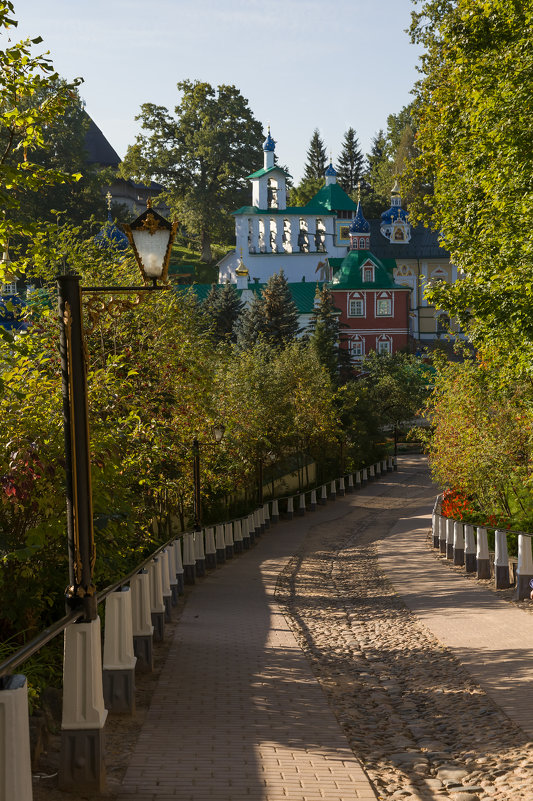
{"x": 359, "y": 225}
{"x": 331, "y": 170}
{"x": 393, "y": 214}
{"x": 110, "y": 235}
{"x": 269, "y": 143}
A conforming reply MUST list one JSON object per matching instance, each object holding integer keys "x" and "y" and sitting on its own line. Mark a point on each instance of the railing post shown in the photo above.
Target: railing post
{"x": 371, "y": 473}
{"x": 342, "y": 489}
{"x": 228, "y": 540}
{"x": 266, "y": 515}
{"x": 458, "y": 544}
{"x": 435, "y": 518}
{"x": 501, "y": 560}
{"x": 482, "y": 554}
{"x": 312, "y": 505}
{"x": 275, "y": 512}
{"x": 251, "y": 528}
{"x": 142, "y": 628}
{"x": 15, "y": 761}
{"x": 358, "y": 474}
{"x": 119, "y": 660}
{"x": 237, "y": 536}
{"x": 220, "y": 543}
{"x": 165, "y": 584}
{"x": 449, "y": 538}
{"x": 173, "y": 581}
{"x": 350, "y": 487}
{"x": 290, "y": 507}
{"x": 364, "y": 476}
{"x": 82, "y": 766}
{"x": 189, "y": 559}
{"x": 377, "y": 469}
{"x": 443, "y": 525}
{"x": 301, "y": 507}
{"x": 333, "y": 490}
{"x": 210, "y": 549}
{"x": 199, "y": 552}
{"x": 524, "y": 572}
{"x": 245, "y": 531}
{"x": 323, "y": 495}
{"x": 157, "y": 604}
{"x": 178, "y": 560}
{"x": 470, "y": 549}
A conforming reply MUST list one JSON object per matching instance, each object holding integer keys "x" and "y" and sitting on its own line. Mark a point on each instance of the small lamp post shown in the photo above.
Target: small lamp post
{"x": 218, "y": 433}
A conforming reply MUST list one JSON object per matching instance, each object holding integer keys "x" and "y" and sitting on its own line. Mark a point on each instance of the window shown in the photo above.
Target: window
{"x": 9, "y": 289}
{"x": 356, "y": 308}
{"x": 384, "y": 346}
{"x": 356, "y": 347}
{"x": 368, "y": 275}
{"x": 384, "y": 307}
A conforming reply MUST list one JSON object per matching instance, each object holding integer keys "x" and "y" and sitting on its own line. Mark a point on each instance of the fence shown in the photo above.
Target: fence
{"x": 467, "y": 545}
{"x": 136, "y": 609}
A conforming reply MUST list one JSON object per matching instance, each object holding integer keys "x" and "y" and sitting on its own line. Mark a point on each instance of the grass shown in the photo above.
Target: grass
{"x": 185, "y": 263}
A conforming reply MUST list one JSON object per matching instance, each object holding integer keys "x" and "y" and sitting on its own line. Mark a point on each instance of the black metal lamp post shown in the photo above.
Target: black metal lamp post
{"x": 151, "y": 237}
{"x": 218, "y": 433}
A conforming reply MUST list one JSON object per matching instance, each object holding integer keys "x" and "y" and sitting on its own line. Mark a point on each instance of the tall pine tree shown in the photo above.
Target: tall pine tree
{"x": 315, "y": 166}
{"x": 222, "y": 308}
{"x": 272, "y": 316}
{"x": 350, "y": 164}
{"x": 326, "y": 335}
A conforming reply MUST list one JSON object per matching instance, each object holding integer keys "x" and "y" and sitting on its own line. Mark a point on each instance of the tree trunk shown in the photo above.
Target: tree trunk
{"x": 207, "y": 255}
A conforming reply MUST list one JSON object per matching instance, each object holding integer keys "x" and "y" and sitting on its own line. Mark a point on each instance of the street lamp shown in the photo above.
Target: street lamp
{"x": 218, "y": 433}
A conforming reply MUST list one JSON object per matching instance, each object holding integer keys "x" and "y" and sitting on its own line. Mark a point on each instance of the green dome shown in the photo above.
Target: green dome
{"x": 350, "y": 274}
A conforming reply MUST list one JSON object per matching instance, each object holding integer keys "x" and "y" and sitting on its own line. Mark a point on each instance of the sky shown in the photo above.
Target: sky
{"x": 301, "y": 64}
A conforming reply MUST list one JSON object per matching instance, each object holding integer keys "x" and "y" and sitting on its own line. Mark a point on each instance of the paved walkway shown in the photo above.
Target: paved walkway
{"x": 237, "y": 713}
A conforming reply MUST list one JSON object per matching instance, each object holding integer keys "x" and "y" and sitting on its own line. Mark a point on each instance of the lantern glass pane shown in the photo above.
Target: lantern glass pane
{"x": 152, "y": 249}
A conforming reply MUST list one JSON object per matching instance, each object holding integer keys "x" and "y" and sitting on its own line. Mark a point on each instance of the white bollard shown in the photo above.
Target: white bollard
{"x": 377, "y": 469}
{"x": 157, "y": 604}
{"x": 257, "y": 523}
{"x": 15, "y": 760}
{"x": 358, "y": 479}
{"x": 189, "y": 559}
{"x": 371, "y": 473}
{"x": 442, "y": 535}
{"x": 119, "y": 660}
{"x": 435, "y": 529}
{"x": 458, "y": 544}
{"x": 210, "y": 549}
{"x": 449, "y": 538}
{"x": 179, "y": 566}
{"x": 394, "y": 462}
{"x": 172, "y": 580}
{"x": 384, "y": 466}
{"x": 228, "y": 540}
{"x": 364, "y": 476}
{"x": 199, "y": 552}
{"x": 165, "y": 584}
{"x": 290, "y": 508}
{"x": 524, "y": 572}
{"x": 266, "y": 514}
{"x": 342, "y": 489}
{"x": 333, "y": 490}
{"x": 350, "y": 487}
{"x": 251, "y": 528}
{"x": 470, "y": 549}
{"x": 245, "y": 534}
{"x": 482, "y": 554}
{"x": 323, "y": 495}
{"x": 312, "y": 505}
{"x": 301, "y": 508}
{"x": 237, "y": 537}
{"x": 501, "y": 560}
{"x": 390, "y": 464}
{"x": 220, "y": 542}
{"x": 141, "y": 621}
{"x": 275, "y": 512}
{"x": 84, "y": 713}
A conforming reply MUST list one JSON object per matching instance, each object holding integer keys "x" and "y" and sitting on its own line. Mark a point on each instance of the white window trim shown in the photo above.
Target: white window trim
{"x": 378, "y": 299}
{"x": 356, "y": 300}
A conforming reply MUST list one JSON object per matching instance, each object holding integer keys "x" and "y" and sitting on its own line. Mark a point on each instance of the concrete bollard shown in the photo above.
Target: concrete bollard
{"x": 449, "y": 538}
{"x": 501, "y": 560}
{"x": 435, "y": 529}
{"x": 165, "y": 584}
{"x": 350, "y": 487}
{"x": 118, "y": 674}
{"x": 266, "y": 514}
{"x": 261, "y": 518}
{"x": 244, "y": 534}
{"x": 312, "y": 505}
{"x": 290, "y": 508}
{"x": 470, "y": 549}
{"x": 458, "y": 544}
{"x": 371, "y": 473}
{"x": 482, "y": 554}
{"x": 199, "y": 552}
{"x": 390, "y": 464}
{"x": 173, "y": 581}
{"x": 384, "y": 466}
{"x": 377, "y": 469}
{"x": 333, "y": 490}
{"x": 342, "y": 489}
{"x": 15, "y": 760}
{"x": 141, "y": 621}
{"x": 323, "y": 495}
{"x": 442, "y": 535}
{"x": 237, "y": 537}
{"x": 251, "y": 529}
{"x": 220, "y": 543}
{"x": 157, "y": 604}
{"x": 524, "y": 572}
{"x": 210, "y": 549}
{"x": 358, "y": 474}
{"x": 275, "y": 513}
{"x": 84, "y": 714}
{"x": 257, "y": 523}
{"x": 301, "y": 507}
{"x": 364, "y": 477}
{"x": 394, "y": 462}
{"x": 189, "y": 559}
{"x": 228, "y": 540}
{"x": 178, "y": 559}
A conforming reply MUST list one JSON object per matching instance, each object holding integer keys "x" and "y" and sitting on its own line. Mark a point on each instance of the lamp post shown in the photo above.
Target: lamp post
{"x": 82, "y": 761}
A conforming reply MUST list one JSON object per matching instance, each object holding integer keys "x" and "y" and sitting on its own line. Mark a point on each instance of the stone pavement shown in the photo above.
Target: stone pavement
{"x": 237, "y": 713}
{"x": 490, "y": 637}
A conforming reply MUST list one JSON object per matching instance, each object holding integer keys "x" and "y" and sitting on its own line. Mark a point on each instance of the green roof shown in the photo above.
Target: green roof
{"x": 332, "y": 198}
{"x": 302, "y": 292}
{"x": 303, "y": 210}
{"x": 350, "y": 275}
{"x": 268, "y": 170}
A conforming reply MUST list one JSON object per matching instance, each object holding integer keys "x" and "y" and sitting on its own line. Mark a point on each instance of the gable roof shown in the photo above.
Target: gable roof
{"x": 99, "y": 151}
{"x": 332, "y": 198}
{"x": 267, "y": 171}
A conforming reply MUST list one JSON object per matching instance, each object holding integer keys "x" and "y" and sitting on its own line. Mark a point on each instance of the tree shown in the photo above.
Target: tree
{"x": 473, "y": 144}
{"x": 350, "y": 164}
{"x": 325, "y": 334}
{"x": 25, "y": 118}
{"x": 223, "y": 308}
{"x": 315, "y": 166}
{"x": 201, "y": 156}
{"x": 273, "y": 316}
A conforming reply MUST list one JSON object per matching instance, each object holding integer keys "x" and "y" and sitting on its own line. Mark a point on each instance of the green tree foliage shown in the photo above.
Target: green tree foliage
{"x": 272, "y": 316}
{"x": 325, "y": 334}
{"x": 474, "y": 141}
{"x": 222, "y": 308}
{"x": 351, "y": 162}
{"x": 25, "y": 118}
{"x": 398, "y": 385}
{"x": 314, "y": 170}
{"x": 201, "y": 155}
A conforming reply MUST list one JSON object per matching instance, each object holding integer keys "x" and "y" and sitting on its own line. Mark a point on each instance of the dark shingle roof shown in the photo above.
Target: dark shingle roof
{"x": 99, "y": 151}
{"x": 424, "y": 244}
